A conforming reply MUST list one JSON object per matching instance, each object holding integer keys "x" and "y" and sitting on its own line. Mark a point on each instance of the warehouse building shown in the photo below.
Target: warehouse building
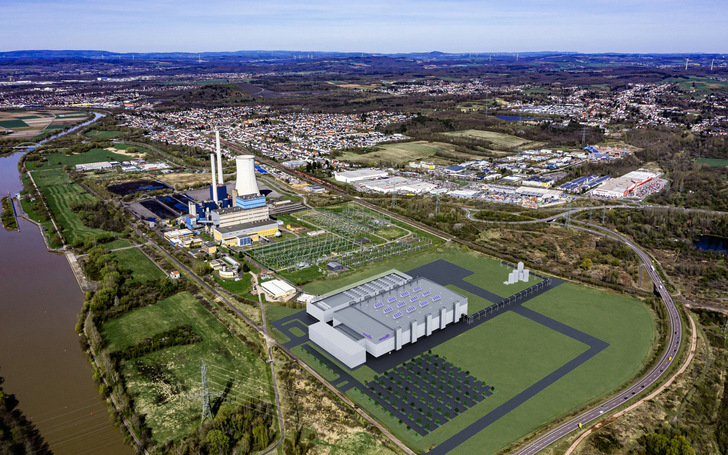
{"x": 381, "y": 315}
{"x": 359, "y": 175}
{"x": 621, "y": 186}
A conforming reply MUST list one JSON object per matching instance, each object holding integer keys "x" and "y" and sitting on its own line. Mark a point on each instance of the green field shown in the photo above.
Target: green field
{"x": 489, "y": 273}
{"x": 104, "y": 134}
{"x": 404, "y": 152}
{"x": 118, "y": 243}
{"x": 161, "y": 382}
{"x": 58, "y": 160}
{"x": 500, "y": 141}
{"x": 13, "y": 124}
{"x": 712, "y": 162}
{"x": 141, "y": 267}
{"x": 624, "y": 323}
{"x": 241, "y": 287}
{"x": 60, "y": 195}
{"x": 512, "y": 352}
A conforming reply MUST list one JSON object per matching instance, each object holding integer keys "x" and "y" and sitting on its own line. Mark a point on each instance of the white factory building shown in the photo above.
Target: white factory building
{"x": 359, "y": 175}
{"x": 381, "y": 315}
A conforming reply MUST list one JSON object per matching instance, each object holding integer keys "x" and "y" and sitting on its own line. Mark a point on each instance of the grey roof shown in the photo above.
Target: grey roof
{"x": 376, "y": 311}
{"x": 244, "y": 226}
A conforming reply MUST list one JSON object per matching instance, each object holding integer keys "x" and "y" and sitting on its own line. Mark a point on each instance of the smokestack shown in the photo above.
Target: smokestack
{"x": 245, "y": 182}
{"x": 219, "y": 157}
{"x": 214, "y": 183}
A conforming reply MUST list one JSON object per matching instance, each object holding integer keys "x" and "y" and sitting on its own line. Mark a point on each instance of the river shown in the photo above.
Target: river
{"x": 40, "y": 355}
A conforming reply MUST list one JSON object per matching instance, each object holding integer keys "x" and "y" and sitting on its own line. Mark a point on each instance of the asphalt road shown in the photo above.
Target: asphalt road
{"x": 653, "y": 375}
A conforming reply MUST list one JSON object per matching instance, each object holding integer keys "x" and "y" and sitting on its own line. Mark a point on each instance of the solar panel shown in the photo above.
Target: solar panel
{"x": 378, "y": 305}
{"x": 388, "y": 310}
{"x": 417, "y": 289}
{"x": 436, "y": 298}
{"x": 404, "y": 294}
{"x": 401, "y": 304}
{"x": 426, "y": 293}
{"x": 424, "y": 303}
{"x": 411, "y": 309}
{"x": 413, "y": 298}
{"x": 391, "y": 299}
{"x": 398, "y": 314}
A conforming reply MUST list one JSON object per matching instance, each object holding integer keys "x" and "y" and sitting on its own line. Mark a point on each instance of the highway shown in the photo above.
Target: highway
{"x": 649, "y": 378}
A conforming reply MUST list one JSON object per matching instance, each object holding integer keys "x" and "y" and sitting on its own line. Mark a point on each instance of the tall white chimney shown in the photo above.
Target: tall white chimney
{"x": 214, "y": 183}
{"x": 219, "y": 157}
{"x": 245, "y": 182}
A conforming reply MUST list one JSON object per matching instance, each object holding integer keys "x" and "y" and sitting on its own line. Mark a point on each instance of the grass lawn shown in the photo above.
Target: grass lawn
{"x": 712, "y": 162}
{"x": 304, "y": 275}
{"x": 489, "y": 274}
{"x": 623, "y": 322}
{"x": 104, "y": 134}
{"x": 161, "y": 381}
{"x": 241, "y": 287}
{"x": 391, "y": 233}
{"x": 58, "y": 160}
{"x": 142, "y": 268}
{"x": 60, "y": 195}
{"x": 404, "y": 152}
{"x": 118, "y": 243}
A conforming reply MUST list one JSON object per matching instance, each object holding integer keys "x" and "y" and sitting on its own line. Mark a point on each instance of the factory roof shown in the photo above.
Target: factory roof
{"x": 227, "y": 210}
{"x": 375, "y": 309}
{"x": 241, "y": 226}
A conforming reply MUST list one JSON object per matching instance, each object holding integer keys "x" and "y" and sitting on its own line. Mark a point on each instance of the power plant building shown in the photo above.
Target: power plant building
{"x": 381, "y": 315}
{"x": 238, "y": 219}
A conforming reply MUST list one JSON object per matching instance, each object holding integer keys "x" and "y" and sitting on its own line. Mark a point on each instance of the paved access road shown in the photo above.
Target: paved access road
{"x": 654, "y": 374}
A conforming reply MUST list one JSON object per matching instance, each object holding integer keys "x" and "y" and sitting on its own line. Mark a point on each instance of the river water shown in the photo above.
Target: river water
{"x": 40, "y": 355}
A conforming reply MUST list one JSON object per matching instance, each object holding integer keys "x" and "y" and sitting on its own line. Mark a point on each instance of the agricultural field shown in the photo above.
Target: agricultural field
{"x": 141, "y": 267}
{"x": 404, "y": 152}
{"x": 29, "y": 124}
{"x": 163, "y": 381}
{"x": 500, "y": 141}
{"x": 60, "y": 194}
{"x": 514, "y": 351}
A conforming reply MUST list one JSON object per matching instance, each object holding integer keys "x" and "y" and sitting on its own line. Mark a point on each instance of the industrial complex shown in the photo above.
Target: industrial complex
{"x": 381, "y": 315}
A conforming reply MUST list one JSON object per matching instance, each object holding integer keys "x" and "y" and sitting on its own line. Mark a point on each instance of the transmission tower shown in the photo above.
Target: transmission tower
{"x": 604, "y": 216}
{"x": 205, "y": 393}
{"x": 583, "y": 135}
{"x": 437, "y": 204}
{"x": 394, "y": 196}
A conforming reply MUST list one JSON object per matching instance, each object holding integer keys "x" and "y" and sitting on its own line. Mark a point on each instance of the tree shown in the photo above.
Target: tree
{"x": 586, "y": 264}
{"x": 219, "y": 441}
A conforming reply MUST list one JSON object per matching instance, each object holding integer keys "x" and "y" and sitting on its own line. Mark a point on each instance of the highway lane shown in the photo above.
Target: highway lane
{"x": 649, "y": 378}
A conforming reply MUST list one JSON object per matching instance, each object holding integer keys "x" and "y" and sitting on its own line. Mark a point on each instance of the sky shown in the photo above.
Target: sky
{"x": 629, "y": 26}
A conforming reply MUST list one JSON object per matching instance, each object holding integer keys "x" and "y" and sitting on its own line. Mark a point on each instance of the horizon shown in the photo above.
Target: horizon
{"x": 620, "y": 27}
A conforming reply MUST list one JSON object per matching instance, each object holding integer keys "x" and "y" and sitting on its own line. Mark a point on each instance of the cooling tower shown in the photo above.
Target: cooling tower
{"x": 245, "y": 182}
{"x": 219, "y": 158}
{"x": 214, "y": 183}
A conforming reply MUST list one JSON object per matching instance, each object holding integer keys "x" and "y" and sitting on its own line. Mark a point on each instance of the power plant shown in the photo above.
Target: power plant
{"x": 237, "y": 219}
